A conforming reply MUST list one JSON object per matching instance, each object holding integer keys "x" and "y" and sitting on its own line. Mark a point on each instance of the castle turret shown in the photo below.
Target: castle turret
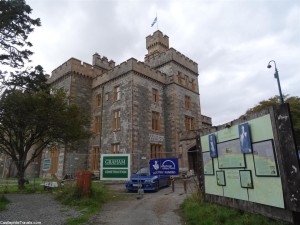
{"x": 157, "y": 43}
{"x": 102, "y": 62}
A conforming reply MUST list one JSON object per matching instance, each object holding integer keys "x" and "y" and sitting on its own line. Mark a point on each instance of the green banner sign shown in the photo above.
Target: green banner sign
{"x": 114, "y": 173}
{"x": 115, "y": 167}
{"x": 115, "y": 161}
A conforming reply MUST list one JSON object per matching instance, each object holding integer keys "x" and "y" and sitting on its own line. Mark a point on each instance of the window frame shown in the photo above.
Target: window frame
{"x": 117, "y": 93}
{"x": 189, "y": 123}
{"x": 115, "y": 148}
{"x": 97, "y": 124}
{"x": 156, "y": 151}
{"x": 116, "y": 120}
{"x": 187, "y": 102}
{"x": 95, "y": 158}
{"x": 98, "y": 100}
{"x": 156, "y": 121}
{"x": 155, "y": 95}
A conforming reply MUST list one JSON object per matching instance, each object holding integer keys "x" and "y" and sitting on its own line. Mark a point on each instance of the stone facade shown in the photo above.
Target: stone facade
{"x": 136, "y": 105}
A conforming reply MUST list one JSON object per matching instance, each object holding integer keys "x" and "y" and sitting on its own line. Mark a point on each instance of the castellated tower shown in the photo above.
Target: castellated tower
{"x": 157, "y": 43}
{"x": 146, "y": 109}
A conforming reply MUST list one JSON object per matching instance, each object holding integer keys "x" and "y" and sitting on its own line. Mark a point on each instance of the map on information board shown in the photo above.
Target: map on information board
{"x": 230, "y": 155}
{"x": 264, "y": 159}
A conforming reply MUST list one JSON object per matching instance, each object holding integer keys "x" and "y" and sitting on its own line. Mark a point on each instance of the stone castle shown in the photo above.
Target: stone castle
{"x": 149, "y": 109}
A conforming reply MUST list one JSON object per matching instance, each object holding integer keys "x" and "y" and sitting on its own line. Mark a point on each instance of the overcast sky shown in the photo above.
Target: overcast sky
{"x": 231, "y": 40}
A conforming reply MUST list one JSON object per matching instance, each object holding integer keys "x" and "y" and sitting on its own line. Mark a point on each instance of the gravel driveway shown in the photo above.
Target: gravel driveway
{"x": 35, "y": 208}
{"x": 158, "y": 208}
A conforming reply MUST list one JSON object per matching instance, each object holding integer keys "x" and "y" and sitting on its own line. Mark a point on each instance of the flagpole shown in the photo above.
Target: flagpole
{"x": 156, "y": 22}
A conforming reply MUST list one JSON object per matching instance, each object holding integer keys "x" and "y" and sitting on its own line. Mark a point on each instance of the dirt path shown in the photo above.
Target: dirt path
{"x": 158, "y": 208}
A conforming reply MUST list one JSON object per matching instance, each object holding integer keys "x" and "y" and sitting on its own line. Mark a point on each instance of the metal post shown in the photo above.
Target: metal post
{"x": 276, "y": 76}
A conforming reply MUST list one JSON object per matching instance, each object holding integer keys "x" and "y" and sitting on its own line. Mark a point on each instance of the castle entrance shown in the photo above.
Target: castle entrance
{"x": 193, "y": 159}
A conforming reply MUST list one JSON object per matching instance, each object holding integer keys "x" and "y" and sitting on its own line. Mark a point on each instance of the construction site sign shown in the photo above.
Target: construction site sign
{"x": 115, "y": 167}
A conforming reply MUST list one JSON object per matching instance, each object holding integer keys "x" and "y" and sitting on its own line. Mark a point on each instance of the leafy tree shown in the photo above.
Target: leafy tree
{"x": 294, "y": 103}
{"x": 32, "y": 117}
{"x": 15, "y": 26}
{"x": 29, "y": 80}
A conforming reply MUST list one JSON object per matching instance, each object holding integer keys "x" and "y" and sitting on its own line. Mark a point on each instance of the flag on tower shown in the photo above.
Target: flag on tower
{"x": 154, "y": 21}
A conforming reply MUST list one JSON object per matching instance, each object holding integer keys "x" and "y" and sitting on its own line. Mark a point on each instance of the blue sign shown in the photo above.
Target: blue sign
{"x": 245, "y": 138}
{"x": 166, "y": 166}
{"x": 213, "y": 145}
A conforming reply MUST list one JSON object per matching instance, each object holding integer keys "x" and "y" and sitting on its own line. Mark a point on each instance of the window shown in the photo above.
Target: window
{"x": 95, "y": 158}
{"x": 116, "y": 120}
{"x": 117, "y": 93}
{"x": 97, "y": 124}
{"x": 156, "y": 151}
{"x": 107, "y": 96}
{"x": 189, "y": 123}
{"x": 186, "y": 78}
{"x": 187, "y": 102}
{"x": 155, "y": 121}
{"x": 54, "y": 160}
{"x": 179, "y": 79}
{"x": 193, "y": 85}
{"x": 155, "y": 95}
{"x": 115, "y": 148}
{"x": 98, "y": 100}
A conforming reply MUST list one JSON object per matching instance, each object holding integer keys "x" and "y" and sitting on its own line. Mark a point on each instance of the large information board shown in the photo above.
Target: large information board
{"x": 245, "y": 166}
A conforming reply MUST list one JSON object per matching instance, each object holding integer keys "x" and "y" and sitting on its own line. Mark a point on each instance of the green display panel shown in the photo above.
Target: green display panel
{"x": 246, "y": 179}
{"x": 264, "y": 159}
{"x": 208, "y": 164}
{"x": 220, "y": 175}
{"x": 230, "y": 155}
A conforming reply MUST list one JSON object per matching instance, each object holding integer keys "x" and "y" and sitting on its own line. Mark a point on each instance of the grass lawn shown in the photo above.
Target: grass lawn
{"x": 201, "y": 213}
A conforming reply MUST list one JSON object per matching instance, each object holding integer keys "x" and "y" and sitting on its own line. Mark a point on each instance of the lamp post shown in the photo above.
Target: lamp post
{"x": 276, "y": 75}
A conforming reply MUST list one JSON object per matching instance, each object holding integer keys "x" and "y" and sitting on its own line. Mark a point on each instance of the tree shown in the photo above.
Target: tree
{"x": 33, "y": 117}
{"x": 294, "y": 103}
{"x": 15, "y": 26}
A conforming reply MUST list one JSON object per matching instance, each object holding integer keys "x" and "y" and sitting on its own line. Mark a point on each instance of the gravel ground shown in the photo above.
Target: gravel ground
{"x": 158, "y": 208}
{"x": 35, "y": 209}
{"x": 154, "y": 208}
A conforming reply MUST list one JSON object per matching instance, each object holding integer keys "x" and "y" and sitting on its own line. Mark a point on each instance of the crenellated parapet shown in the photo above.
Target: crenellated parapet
{"x": 157, "y": 43}
{"x": 156, "y": 60}
{"x": 131, "y": 65}
{"x": 102, "y": 62}
{"x": 73, "y": 65}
